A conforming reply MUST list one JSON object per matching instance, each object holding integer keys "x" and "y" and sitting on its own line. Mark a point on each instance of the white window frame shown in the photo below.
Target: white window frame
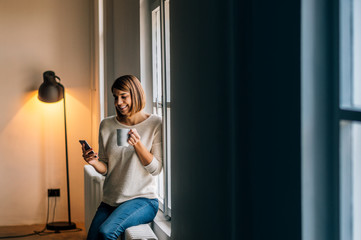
{"x": 161, "y": 93}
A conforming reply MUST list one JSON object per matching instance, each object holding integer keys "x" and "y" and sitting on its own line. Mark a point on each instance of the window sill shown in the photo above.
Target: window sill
{"x": 161, "y": 226}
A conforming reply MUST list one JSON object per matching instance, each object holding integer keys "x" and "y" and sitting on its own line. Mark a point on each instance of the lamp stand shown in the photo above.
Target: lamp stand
{"x": 57, "y": 226}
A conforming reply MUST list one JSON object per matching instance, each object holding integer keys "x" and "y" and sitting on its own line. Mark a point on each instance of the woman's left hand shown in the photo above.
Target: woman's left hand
{"x": 134, "y": 137}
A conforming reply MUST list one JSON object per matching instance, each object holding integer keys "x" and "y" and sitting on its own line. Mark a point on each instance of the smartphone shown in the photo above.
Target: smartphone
{"x": 87, "y": 147}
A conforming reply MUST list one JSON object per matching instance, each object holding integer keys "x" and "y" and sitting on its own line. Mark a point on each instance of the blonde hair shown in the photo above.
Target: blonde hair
{"x": 131, "y": 84}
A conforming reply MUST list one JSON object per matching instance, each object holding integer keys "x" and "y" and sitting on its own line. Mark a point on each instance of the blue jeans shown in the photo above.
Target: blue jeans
{"x": 110, "y": 222}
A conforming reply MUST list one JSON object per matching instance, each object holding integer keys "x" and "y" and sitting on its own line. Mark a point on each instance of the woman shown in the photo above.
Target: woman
{"x": 129, "y": 191}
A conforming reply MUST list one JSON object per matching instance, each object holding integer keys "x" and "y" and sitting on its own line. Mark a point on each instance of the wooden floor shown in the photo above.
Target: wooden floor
{"x": 29, "y": 229}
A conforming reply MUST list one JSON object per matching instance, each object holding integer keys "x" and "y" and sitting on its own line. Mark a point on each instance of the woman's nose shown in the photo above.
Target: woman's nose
{"x": 119, "y": 101}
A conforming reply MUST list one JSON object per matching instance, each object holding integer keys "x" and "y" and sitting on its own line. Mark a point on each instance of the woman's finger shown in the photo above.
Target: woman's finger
{"x": 136, "y": 136}
{"x": 132, "y": 140}
{"x": 88, "y": 151}
{"x": 91, "y": 157}
{"x": 94, "y": 157}
{"x": 135, "y": 140}
{"x": 136, "y": 133}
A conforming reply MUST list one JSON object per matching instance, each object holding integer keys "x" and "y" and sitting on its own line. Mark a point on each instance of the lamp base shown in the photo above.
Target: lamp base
{"x": 57, "y": 226}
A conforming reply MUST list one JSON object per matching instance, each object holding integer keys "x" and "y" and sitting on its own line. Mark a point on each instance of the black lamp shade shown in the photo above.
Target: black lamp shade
{"x": 50, "y": 90}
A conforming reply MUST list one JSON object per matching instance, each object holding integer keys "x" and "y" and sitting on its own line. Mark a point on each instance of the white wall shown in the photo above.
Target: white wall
{"x": 123, "y": 43}
{"x": 146, "y": 76}
{"x": 36, "y": 36}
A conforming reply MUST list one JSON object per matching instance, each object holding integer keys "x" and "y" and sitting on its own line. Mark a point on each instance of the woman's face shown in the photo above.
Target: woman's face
{"x": 122, "y": 101}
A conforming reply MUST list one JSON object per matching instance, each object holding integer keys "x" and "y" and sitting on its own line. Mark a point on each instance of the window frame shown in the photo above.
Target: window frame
{"x": 164, "y": 100}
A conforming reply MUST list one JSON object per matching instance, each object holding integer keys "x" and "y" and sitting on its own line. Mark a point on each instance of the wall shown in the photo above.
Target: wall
{"x": 146, "y": 76}
{"x": 122, "y": 43}
{"x": 42, "y": 35}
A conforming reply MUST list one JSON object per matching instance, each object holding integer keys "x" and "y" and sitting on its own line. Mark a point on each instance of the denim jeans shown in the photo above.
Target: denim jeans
{"x": 110, "y": 222}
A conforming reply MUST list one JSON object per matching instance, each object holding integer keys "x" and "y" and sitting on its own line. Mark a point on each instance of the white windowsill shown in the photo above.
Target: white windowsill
{"x": 161, "y": 226}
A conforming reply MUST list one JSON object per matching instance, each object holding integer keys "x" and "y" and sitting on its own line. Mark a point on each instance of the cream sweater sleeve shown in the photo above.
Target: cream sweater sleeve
{"x": 155, "y": 166}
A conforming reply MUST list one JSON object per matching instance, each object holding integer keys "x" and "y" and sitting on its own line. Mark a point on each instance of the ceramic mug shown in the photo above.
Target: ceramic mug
{"x": 122, "y": 136}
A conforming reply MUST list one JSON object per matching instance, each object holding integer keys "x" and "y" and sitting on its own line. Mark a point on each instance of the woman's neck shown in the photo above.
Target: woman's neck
{"x": 135, "y": 119}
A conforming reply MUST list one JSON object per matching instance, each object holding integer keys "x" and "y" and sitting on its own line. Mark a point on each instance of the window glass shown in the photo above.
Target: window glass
{"x": 356, "y": 56}
{"x": 350, "y": 180}
{"x": 356, "y": 179}
{"x": 350, "y": 55}
{"x": 350, "y": 125}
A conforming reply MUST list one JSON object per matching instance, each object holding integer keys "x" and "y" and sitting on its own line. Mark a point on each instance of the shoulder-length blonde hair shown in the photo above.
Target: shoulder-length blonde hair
{"x": 131, "y": 84}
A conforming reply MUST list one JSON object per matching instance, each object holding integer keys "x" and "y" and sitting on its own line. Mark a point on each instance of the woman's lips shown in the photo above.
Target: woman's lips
{"x": 123, "y": 108}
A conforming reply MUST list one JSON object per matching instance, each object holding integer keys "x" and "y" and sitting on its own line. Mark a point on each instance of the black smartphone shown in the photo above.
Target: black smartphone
{"x": 87, "y": 146}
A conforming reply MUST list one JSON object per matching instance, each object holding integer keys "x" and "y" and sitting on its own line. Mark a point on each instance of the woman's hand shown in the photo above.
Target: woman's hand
{"x": 134, "y": 137}
{"x": 89, "y": 155}
{"x": 143, "y": 153}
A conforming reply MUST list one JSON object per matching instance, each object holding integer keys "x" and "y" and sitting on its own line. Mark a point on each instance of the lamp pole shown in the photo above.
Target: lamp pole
{"x": 52, "y": 91}
{"x": 66, "y": 155}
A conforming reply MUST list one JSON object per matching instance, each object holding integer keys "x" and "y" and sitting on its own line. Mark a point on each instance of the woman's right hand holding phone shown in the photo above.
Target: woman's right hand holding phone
{"x": 89, "y": 155}
{"x": 92, "y": 158}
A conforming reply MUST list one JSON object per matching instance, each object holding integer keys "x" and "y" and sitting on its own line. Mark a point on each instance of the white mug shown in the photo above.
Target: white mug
{"x": 122, "y": 136}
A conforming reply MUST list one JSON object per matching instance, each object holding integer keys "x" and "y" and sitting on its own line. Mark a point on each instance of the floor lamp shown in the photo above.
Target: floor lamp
{"x": 52, "y": 91}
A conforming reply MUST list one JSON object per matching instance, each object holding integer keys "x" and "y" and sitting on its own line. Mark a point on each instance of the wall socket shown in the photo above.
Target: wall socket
{"x": 54, "y": 192}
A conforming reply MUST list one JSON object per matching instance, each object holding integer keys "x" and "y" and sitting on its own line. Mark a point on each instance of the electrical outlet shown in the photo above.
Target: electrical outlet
{"x": 54, "y": 192}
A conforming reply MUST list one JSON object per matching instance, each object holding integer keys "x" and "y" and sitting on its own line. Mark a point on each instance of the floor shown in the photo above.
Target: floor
{"x": 29, "y": 229}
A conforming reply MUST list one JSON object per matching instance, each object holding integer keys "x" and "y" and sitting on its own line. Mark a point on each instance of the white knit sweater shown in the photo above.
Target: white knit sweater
{"x": 126, "y": 177}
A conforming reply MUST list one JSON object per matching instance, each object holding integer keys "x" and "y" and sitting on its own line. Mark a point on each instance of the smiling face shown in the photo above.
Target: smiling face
{"x": 129, "y": 97}
{"x": 122, "y": 102}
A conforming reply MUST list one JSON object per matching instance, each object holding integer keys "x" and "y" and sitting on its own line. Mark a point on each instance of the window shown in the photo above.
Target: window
{"x": 161, "y": 93}
{"x": 350, "y": 119}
